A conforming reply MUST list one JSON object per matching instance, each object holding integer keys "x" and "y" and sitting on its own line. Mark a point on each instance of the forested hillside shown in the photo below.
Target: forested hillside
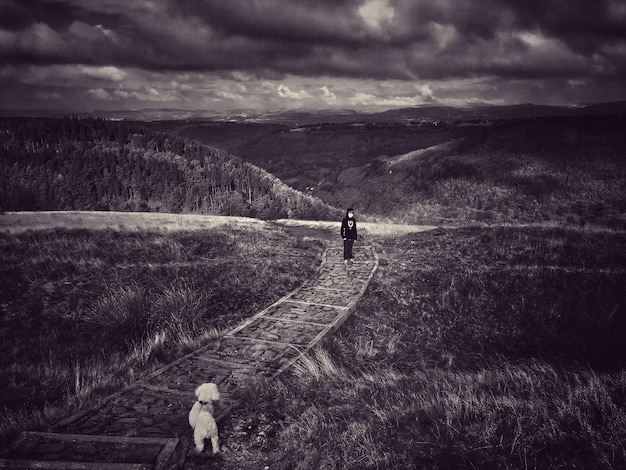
{"x": 561, "y": 169}
{"x": 566, "y": 170}
{"x": 92, "y": 164}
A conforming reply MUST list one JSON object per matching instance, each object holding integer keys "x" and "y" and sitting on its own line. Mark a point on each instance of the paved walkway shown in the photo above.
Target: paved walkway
{"x": 145, "y": 425}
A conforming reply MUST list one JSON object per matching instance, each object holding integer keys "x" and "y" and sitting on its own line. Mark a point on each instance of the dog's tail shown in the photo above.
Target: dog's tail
{"x": 194, "y": 422}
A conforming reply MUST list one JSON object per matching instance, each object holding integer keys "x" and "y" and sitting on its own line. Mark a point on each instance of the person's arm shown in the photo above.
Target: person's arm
{"x": 343, "y": 229}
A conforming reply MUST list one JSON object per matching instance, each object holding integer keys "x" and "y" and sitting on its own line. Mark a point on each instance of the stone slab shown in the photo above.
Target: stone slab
{"x": 297, "y": 311}
{"x": 315, "y": 295}
{"x": 55, "y": 450}
{"x": 280, "y": 331}
{"x": 259, "y": 352}
{"x": 155, "y": 409}
{"x": 138, "y": 412}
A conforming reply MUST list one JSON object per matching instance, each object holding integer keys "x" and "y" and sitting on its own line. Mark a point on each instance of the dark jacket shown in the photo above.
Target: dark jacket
{"x": 348, "y": 228}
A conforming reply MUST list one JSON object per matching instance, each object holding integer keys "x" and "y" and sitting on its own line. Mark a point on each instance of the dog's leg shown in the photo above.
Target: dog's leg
{"x": 215, "y": 444}
{"x": 198, "y": 439}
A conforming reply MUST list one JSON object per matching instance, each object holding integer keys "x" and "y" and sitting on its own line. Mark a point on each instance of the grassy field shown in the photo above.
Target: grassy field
{"x": 472, "y": 348}
{"x": 477, "y": 347}
{"x": 87, "y": 311}
{"x": 18, "y": 222}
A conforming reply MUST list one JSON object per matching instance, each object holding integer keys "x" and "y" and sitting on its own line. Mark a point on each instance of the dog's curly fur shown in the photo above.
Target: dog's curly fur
{"x": 201, "y": 417}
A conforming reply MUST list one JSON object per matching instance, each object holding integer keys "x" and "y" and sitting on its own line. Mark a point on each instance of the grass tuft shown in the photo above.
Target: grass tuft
{"x": 86, "y": 312}
{"x": 472, "y": 348}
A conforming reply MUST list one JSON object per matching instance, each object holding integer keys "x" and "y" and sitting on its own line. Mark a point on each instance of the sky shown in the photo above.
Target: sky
{"x": 268, "y": 55}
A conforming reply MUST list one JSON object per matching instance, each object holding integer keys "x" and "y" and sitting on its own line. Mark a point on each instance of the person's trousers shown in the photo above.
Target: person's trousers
{"x": 347, "y": 248}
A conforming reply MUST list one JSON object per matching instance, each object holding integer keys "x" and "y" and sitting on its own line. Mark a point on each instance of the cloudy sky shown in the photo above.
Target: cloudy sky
{"x": 286, "y": 54}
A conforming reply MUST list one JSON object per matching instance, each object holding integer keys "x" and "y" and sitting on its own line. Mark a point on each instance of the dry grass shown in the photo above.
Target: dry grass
{"x": 85, "y": 312}
{"x": 472, "y": 348}
{"x": 18, "y": 222}
{"x": 377, "y": 228}
{"x": 525, "y": 415}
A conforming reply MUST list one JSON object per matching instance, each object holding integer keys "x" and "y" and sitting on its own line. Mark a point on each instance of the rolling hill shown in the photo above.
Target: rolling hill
{"x": 304, "y": 116}
{"x": 565, "y": 169}
{"x": 92, "y": 164}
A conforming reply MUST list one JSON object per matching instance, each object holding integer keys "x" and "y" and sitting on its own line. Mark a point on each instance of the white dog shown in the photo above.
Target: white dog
{"x": 201, "y": 417}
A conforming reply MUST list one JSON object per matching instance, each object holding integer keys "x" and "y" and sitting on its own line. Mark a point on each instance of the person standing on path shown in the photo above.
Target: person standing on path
{"x": 348, "y": 233}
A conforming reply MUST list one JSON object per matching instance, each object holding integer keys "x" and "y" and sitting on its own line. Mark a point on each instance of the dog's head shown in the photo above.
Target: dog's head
{"x": 207, "y": 393}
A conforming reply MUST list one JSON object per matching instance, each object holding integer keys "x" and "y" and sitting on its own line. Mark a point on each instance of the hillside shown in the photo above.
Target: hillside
{"x": 561, "y": 169}
{"x": 566, "y": 170}
{"x": 314, "y": 156}
{"x": 548, "y": 169}
{"x": 483, "y": 348}
{"x": 87, "y": 308}
{"x": 90, "y": 164}
{"x": 476, "y": 347}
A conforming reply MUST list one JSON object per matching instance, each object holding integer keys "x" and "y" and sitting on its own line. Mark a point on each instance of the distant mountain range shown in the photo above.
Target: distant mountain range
{"x": 310, "y": 116}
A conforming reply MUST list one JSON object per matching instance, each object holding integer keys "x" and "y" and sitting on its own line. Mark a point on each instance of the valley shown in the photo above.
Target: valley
{"x": 567, "y": 169}
{"x": 491, "y": 335}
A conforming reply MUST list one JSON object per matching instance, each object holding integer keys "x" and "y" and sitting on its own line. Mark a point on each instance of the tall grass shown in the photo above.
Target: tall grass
{"x": 524, "y": 415}
{"x": 85, "y": 312}
{"x": 472, "y": 348}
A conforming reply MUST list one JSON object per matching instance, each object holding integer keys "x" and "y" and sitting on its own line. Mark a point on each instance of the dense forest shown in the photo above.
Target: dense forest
{"x": 93, "y": 164}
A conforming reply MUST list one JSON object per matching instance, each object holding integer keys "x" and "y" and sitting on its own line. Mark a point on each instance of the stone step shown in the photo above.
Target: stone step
{"x": 45, "y": 450}
{"x": 145, "y": 425}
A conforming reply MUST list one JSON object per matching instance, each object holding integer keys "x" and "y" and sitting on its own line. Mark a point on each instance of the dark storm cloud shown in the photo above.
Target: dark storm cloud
{"x": 304, "y": 38}
{"x": 596, "y": 29}
{"x": 555, "y": 41}
{"x": 571, "y": 19}
{"x": 18, "y": 15}
{"x": 318, "y": 23}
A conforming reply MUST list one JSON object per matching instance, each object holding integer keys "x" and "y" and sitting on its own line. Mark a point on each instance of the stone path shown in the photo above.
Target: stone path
{"x": 145, "y": 425}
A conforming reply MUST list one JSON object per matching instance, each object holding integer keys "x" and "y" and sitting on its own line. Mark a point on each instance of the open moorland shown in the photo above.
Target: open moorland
{"x": 494, "y": 339}
{"x": 473, "y": 347}
{"x": 87, "y": 311}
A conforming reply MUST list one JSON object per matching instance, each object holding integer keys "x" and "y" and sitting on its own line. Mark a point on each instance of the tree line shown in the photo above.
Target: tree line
{"x": 94, "y": 164}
